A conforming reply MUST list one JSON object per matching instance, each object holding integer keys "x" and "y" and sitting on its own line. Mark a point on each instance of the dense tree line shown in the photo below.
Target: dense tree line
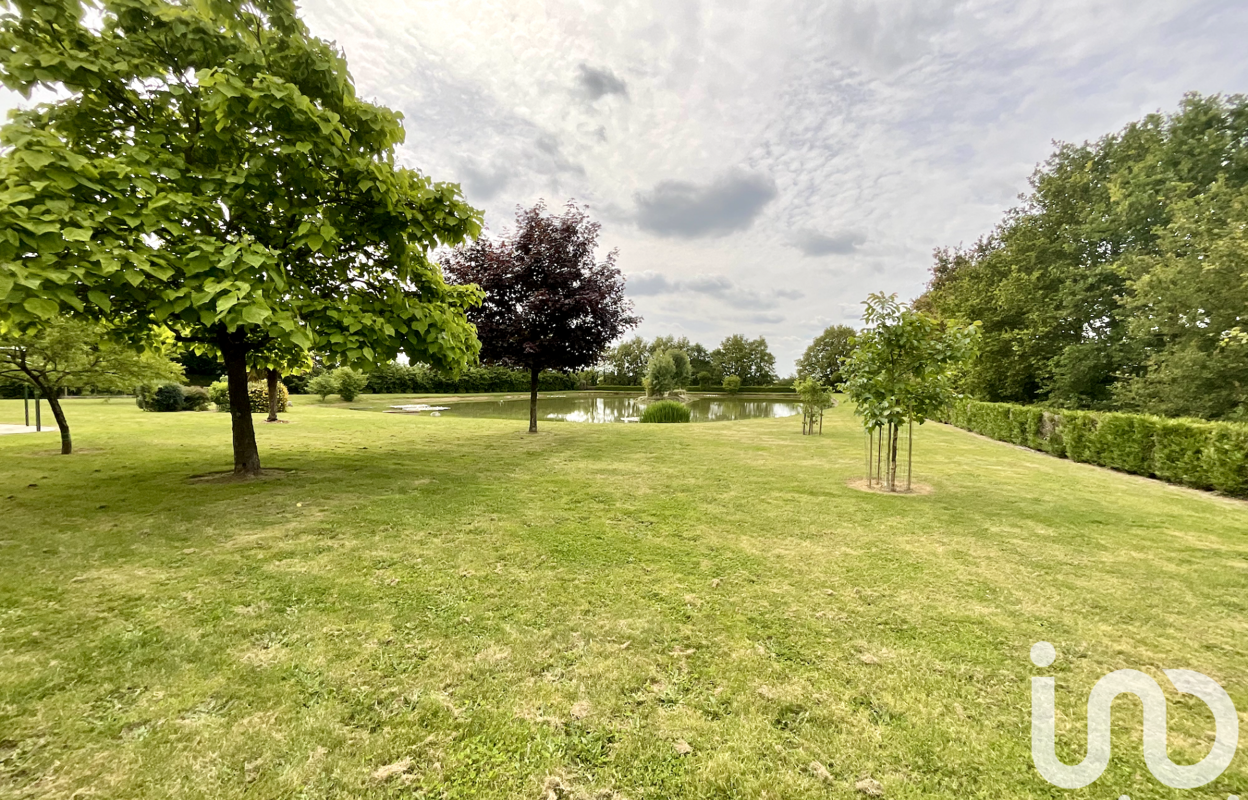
{"x": 749, "y": 359}
{"x": 1120, "y": 281}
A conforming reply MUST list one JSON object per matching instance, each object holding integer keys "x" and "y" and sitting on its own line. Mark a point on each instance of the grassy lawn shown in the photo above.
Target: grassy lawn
{"x": 696, "y": 611}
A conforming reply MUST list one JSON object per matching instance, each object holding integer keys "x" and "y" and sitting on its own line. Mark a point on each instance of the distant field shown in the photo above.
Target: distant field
{"x": 443, "y": 607}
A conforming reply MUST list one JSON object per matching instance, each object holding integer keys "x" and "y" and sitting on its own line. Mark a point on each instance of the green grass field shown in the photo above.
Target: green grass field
{"x": 450, "y": 608}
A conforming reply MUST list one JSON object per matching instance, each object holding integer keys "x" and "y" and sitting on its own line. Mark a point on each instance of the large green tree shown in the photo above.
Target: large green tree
{"x": 749, "y": 359}
{"x": 208, "y": 169}
{"x": 822, "y": 360}
{"x": 1091, "y": 292}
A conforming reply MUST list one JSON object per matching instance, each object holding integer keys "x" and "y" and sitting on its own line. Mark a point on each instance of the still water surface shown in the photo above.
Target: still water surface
{"x": 617, "y": 408}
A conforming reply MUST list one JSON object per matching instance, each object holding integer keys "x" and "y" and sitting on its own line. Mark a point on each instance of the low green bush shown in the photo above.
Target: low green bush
{"x": 195, "y": 398}
{"x": 323, "y": 385}
{"x": 732, "y": 384}
{"x": 350, "y": 382}
{"x": 257, "y": 395}
{"x": 666, "y": 411}
{"x": 167, "y": 397}
{"x": 219, "y": 394}
{"x": 1196, "y": 453}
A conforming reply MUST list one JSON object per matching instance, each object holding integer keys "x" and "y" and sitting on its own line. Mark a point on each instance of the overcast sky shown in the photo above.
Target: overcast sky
{"x": 763, "y": 166}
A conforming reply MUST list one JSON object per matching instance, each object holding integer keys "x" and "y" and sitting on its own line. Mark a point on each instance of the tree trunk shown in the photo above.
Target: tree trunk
{"x": 246, "y": 454}
{"x": 273, "y": 377}
{"x": 894, "y": 433}
{"x": 533, "y": 401}
{"x": 67, "y": 444}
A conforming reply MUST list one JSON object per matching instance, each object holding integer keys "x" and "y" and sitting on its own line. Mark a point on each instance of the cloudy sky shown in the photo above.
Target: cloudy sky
{"x": 763, "y": 166}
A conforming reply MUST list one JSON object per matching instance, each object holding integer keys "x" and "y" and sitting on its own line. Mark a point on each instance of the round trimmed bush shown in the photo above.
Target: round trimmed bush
{"x": 666, "y": 411}
{"x": 167, "y": 397}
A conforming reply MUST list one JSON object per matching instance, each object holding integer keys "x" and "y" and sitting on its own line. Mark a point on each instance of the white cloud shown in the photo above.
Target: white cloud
{"x": 748, "y": 149}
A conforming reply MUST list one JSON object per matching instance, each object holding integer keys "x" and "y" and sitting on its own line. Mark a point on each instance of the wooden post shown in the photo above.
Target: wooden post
{"x": 909, "y": 454}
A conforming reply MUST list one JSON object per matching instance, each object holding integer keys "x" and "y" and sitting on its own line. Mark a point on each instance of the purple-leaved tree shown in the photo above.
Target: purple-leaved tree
{"x": 549, "y": 304}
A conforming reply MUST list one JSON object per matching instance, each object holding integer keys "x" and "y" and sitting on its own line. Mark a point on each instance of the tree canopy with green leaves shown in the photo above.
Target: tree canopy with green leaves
{"x": 73, "y": 354}
{"x": 208, "y": 169}
{"x": 749, "y": 359}
{"x": 1119, "y": 281}
{"x": 823, "y": 358}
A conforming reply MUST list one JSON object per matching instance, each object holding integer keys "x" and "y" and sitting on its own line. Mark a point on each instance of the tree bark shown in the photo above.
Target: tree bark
{"x": 246, "y": 454}
{"x": 273, "y": 377}
{"x": 533, "y": 400}
{"x": 67, "y": 444}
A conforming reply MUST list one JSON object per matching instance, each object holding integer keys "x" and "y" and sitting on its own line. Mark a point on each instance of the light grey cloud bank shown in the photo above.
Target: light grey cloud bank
{"x": 763, "y": 165}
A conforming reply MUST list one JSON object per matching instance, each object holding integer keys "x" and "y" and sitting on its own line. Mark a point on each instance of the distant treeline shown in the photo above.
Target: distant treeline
{"x": 749, "y": 359}
{"x": 1119, "y": 283}
{"x": 420, "y": 379}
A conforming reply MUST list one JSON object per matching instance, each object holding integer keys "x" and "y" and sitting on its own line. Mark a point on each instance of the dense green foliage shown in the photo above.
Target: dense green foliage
{"x": 664, "y": 372}
{"x": 1119, "y": 283}
{"x": 207, "y": 168}
{"x": 170, "y": 396}
{"x": 822, "y": 360}
{"x": 1204, "y": 455}
{"x": 666, "y": 411}
{"x": 751, "y": 359}
{"x": 395, "y": 378}
{"x": 349, "y": 383}
{"x": 257, "y": 397}
{"x": 748, "y": 359}
{"x": 64, "y": 354}
{"x": 732, "y": 384}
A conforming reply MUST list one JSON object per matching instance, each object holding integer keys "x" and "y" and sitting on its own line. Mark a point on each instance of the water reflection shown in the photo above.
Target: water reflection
{"x": 619, "y": 408}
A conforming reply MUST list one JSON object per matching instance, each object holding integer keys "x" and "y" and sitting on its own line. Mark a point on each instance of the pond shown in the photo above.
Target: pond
{"x": 615, "y": 408}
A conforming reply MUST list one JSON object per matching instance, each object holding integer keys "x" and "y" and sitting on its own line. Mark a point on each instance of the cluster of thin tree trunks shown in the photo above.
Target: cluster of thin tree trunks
{"x": 882, "y": 447}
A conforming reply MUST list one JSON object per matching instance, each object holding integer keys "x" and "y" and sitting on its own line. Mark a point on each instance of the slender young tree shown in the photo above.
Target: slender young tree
{"x": 207, "y": 169}
{"x": 902, "y": 371}
{"x": 548, "y": 303}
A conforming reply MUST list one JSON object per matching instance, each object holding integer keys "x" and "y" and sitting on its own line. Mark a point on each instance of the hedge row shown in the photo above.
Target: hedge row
{"x": 420, "y": 379}
{"x": 1204, "y": 455}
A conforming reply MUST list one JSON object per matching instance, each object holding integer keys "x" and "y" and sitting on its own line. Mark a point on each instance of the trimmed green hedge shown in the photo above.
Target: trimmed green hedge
{"x": 1191, "y": 452}
{"x": 420, "y": 379}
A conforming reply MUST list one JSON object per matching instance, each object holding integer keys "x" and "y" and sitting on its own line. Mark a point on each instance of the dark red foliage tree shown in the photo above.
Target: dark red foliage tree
{"x": 548, "y": 303}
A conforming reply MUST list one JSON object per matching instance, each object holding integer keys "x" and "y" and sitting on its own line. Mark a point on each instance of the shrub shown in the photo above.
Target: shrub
{"x": 1204, "y": 455}
{"x": 350, "y": 382}
{"x": 661, "y": 374}
{"x": 323, "y": 385}
{"x": 666, "y": 411}
{"x": 194, "y": 398}
{"x": 257, "y": 395}
{"x": 219, "y": 394}
{"x": 705, "y": 380}
{"x": 165, "y": 397}
{"x": 143, "y": 395}
{"x": 731, "y": 384}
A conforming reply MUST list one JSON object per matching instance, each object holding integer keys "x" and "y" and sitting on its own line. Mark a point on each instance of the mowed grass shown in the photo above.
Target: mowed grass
{"x": 450, "y": 608}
